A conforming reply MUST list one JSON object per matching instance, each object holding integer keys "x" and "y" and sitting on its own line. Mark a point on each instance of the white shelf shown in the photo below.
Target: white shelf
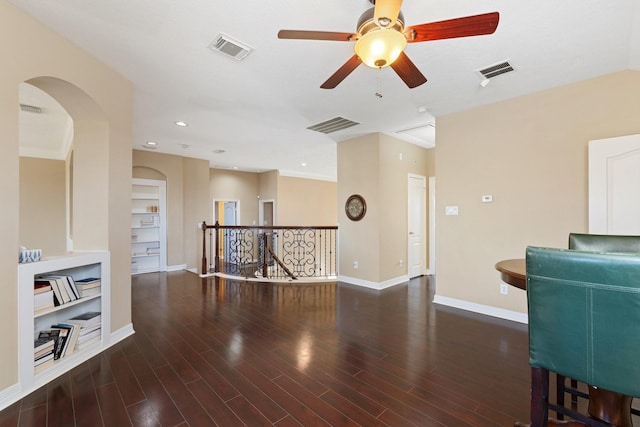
{"x": 79, "y": 265}
{"x": 148, "y": 200}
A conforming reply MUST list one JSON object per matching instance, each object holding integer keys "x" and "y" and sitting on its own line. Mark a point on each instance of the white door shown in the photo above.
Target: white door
{"x": 614, "y": 185}
{"x": 417, "y": 224}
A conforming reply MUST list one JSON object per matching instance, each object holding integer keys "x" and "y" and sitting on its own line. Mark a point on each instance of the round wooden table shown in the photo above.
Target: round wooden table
{"x": 614, "y": 408}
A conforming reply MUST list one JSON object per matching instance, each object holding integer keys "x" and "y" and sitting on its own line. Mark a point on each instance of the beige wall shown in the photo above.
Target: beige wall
{"x": 97, "y": 96}
{"x": 43, "y": 205}
{"x": 306, "y": 202}
{"x": 226, "y": 185}
{"x": 197, "y": 208}
{"x": 187, "y": 206}
{"x": 372, "y": 167}
{"x": 530, "y": 153}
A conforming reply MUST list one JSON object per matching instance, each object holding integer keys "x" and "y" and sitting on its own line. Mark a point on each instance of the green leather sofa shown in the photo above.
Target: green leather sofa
{"x": 584, "y": 317}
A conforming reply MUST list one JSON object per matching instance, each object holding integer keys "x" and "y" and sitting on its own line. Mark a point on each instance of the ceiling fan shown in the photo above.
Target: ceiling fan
{"x": 381, "y": 38}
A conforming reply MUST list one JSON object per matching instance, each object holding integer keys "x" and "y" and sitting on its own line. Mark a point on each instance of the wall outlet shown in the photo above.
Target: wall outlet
{"x": 504, "y": 288}
{"x": 401, "y": 262}
{"x": 355, "y": 264}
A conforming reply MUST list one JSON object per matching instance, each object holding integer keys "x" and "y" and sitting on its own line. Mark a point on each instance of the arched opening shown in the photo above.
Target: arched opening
{"x": 63, "y": 168}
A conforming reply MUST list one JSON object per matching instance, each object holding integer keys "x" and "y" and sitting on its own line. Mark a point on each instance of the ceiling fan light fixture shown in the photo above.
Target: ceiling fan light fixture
{"x": 380, "y": 47}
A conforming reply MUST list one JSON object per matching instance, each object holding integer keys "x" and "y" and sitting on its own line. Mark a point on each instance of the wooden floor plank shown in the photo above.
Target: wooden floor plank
{"x": 228, "y": 353}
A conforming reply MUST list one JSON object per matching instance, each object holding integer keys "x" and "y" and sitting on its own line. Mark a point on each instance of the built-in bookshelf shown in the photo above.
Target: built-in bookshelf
{"x": 36, "y": 320}
{"x": 148, "y": 226}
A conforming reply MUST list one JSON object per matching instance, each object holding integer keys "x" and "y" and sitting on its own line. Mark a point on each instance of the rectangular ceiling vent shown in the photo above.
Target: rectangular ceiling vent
{"x": 30, "y": 108}
{"x": 230, "y": 47}
{"x": 333, "y": 125}
{"x": 496, "y": 70}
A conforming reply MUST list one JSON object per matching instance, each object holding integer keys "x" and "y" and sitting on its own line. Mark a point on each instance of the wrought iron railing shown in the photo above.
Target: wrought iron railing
{"x": 278, "y": 252}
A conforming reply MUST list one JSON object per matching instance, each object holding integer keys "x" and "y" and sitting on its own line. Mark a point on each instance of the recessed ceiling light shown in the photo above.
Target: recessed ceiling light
{"x": 181, "y": 124}
{"x": 303, "y": 164}
{"x": 218, "y": 151}
{"x": 184, "y": 145}
{"x": 235, "y": 168}
{"x": 151, "y": 143}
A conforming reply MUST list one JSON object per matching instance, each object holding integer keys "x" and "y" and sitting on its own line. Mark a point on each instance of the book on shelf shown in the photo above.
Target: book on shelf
{"x": 41, "y": 288}
{"x": 43, "y": 301}
{"x": 90, "y": 282}
{"x": 84, "y": 293}
{"x": 43, "y": 345}
{"x": 72, "y": 334}
{"x": 88, "y": 342}
{"x": 63, "y": 287}
{"x": 47, "y": 338}
{"x": 43, "y": 363}
{"x": 90, "y": 318}
{"x": 89, "y": 336}
{"x": 60, "y": 343}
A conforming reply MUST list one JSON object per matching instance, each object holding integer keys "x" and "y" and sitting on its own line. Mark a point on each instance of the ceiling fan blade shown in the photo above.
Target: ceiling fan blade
{"x": 316, "y": 35}
{"x": 475, "y": 25}
{"x": 342, "y": 73}
{"x": 386, "y": 12}
{"x": 407, "y": 71}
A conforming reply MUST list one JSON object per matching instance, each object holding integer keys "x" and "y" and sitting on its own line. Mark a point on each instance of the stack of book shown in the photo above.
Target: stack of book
{"x": 88, "y": 287}
{"x": 43, "y": 349}
{"x": 90, "y": 329}
{"x": 153, "y": 251}
{"x": 64, "y": 288}
{"x": 147, "y": 222}
{"x": 42, "y": 298}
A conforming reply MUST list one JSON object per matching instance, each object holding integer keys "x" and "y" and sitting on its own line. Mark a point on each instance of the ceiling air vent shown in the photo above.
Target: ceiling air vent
{"x": 30, "y": 108}
{"x": 496, "y": 69}
{"x": 230, "y": 47}
{"x": 333, "y": 125}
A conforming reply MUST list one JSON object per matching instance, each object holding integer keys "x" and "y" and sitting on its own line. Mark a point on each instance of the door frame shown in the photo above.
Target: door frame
{"x": 432, "y": 226}
{"x": 423, "y": 224}
{"x": 261, "y": 211}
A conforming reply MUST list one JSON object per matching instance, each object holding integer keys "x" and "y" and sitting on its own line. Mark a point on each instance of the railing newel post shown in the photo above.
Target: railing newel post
{"x": 216, "y": 265}
{"x": 204, "y": 267}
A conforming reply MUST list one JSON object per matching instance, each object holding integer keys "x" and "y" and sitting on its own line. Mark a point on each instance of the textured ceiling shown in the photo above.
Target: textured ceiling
{"x": 257, "y": 110}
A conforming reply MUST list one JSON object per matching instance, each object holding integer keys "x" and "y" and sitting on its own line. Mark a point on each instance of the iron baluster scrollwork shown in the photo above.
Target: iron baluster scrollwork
{"x": 274, "y": 252}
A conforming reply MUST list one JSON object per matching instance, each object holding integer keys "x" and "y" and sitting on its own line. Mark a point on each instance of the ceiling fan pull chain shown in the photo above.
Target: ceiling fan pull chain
{"x": 379, "y": 91}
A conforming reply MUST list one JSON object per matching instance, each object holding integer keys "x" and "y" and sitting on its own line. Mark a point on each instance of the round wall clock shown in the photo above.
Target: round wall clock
{"x": 355, "y": 207}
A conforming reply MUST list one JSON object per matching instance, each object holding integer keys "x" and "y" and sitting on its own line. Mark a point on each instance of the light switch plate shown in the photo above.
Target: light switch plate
{"x": 451, "y": 210}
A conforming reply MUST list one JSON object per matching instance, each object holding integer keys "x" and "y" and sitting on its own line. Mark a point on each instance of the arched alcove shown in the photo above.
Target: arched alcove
{"x": 86, "y": 165}
{"x": 145, "y": 172}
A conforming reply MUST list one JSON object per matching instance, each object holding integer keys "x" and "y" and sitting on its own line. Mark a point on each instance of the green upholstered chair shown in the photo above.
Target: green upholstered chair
{"x": 584, "y": 324}
{"x": 604, "y": 243}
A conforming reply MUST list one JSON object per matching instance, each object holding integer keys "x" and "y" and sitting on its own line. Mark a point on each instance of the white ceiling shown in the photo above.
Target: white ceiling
{"x": 257, "y": 110}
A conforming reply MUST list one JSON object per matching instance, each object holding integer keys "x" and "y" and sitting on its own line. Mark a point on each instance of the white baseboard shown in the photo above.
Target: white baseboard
{"x": 374, "y": 285}
{"x": 482, "y": 309}
{"x": 10, "y": 395}
{"x": 121, "y": 334}
{"x": 177, "y": 267}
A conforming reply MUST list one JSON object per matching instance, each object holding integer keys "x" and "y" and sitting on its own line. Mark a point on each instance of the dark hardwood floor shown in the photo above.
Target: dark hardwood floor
{"x": 220, "y": 352}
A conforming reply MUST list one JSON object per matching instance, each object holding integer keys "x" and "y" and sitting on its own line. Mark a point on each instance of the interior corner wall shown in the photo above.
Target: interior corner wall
{"x": 358, "y": 167}
{"x": 377, "y": 167}
{"x": 306, "y": 202}
{"x": 34, "y": 51}
{"x": 531, "y": 154}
